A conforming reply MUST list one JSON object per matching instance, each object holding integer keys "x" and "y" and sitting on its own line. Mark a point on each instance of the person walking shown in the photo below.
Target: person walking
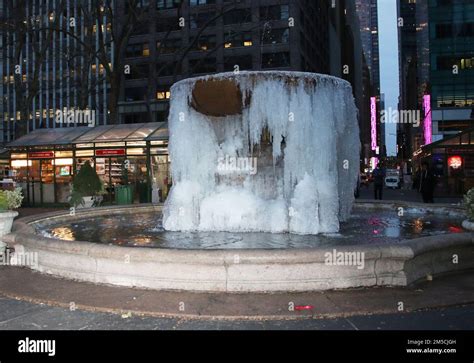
{"x": 379, "y": 179}
{"x": 427, "y": 183}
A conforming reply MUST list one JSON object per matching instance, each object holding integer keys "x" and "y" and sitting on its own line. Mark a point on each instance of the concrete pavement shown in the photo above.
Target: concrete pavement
{"x": 406, "y": 195}
{"x": 443, "y": 291}
{"x": 22, "y": 315}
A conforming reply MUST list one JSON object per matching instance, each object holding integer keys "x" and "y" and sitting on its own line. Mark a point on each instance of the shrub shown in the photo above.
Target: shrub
{"x": 85, "y": 183}
{"x": 3, "y": 201}
{"x": 10, "y": 199}
{"x": 469, "y": 203}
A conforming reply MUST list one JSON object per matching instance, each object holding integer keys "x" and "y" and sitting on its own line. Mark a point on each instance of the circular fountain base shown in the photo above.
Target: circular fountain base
{"x": 244, "y": 270}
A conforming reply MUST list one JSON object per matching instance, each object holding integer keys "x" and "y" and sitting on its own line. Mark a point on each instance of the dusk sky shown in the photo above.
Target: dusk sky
{"x": 389, "y": 71}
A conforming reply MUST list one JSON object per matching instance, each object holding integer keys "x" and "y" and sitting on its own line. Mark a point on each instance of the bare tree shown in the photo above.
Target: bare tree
{"x": 107, "y": 30}
{"x": 24, "y": 31}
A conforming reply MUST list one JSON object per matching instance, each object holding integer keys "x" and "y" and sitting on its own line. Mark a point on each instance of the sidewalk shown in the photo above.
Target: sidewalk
{"x": 446, "y": 291}
{"x": 405, "y": 195}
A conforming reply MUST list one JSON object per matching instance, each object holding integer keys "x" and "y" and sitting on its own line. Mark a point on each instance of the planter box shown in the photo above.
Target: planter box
{"x": 6, "y": 222}
{"x": 87, "y": 203}
{"x": 467, "y": 224}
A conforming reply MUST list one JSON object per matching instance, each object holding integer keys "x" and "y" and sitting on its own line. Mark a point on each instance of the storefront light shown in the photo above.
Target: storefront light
{"x": 83, "y": 146}
{"x": 63, "y": 154}
{"x": 136, "y": 151}
{"x": 21, "y": 163}
{"x": 81, "y": 153}
{"x": 159, "y": 142}
{"x": 455, "y": 162}
{"x": 61, "y": 162}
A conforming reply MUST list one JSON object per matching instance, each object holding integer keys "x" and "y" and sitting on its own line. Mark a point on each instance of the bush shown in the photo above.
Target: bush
{"x": 10, "y": 199}
{"x": 86, "y": 183}
{"x": 469, "y": 203}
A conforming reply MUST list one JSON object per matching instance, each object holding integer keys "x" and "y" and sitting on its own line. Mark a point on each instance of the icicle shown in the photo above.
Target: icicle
{"x": 225, "y": 179}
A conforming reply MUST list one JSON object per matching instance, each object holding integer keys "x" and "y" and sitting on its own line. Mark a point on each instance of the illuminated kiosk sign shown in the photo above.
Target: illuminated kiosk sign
{"x": 41, "y": 155}
{"x": 110, "y": 152}
{"x": 428, "y": 123}
{"x": 373, "y": 122}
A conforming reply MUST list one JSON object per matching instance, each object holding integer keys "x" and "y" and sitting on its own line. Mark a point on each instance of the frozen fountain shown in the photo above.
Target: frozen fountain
{"x": 262, "y": 152}
{"x": 275, "y": 155}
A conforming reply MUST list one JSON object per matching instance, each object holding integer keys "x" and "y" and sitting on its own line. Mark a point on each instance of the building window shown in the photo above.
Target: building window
{"x": 138, "y": 71}
{"x": 238, "y": 16}
{"x": 201, "y": 2}
{"x": 165, "y": 69}
{"x": 140, "y": 4}
{"x": 207, "y": 65}
{"x": 233, "y": 40}
{"x": 277, "y": 12}
{"x": 140, "y": 29}
{"x": 276, "y": 60}
{"x": 448, "y": 63}
{"x": 242, "y": 62}
{"x": 135, "y": 94}
{"x": 168, "y": 46}
{"x": 199, "y": 20}
{"x": 450, "y": 30}
{"x": 276, "y": 36}
{"x": 137, "y": 50}
{"x": 163, "y": 94}
{"x": 167, "y": 4}
{"x": 167, "y": 24}
{"x": 205, "y": 42}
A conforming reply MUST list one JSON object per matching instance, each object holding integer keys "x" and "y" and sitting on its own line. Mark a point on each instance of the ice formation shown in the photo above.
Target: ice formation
{"x": 286, "y": 161}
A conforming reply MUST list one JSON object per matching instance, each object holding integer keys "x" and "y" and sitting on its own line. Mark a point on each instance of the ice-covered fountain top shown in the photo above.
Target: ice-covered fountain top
{"x": 262, "y": 151}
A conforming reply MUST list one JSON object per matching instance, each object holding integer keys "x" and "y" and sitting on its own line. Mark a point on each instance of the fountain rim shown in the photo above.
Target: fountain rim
{"x": 263, "y": 271}
{"x": 265, "y": 74}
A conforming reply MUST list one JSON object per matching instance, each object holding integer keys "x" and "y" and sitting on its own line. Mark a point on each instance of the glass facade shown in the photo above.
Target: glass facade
{"x": 452, "y": 160}
{"x": 135, "y": 155}
{"x": 451, "y": 37}
{"x": 42, "y": 70}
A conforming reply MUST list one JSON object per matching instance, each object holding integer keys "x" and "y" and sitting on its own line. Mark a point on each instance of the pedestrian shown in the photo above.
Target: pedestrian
{"x": 427, "y": 183}
{"x": 379, "y": 179}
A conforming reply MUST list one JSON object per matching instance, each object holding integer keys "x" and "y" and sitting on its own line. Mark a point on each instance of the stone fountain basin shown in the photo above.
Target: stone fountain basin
{"x": 256, "y": 270}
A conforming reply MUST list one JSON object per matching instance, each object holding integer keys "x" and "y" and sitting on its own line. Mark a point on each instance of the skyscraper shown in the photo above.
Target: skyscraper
{"x": 368, "y": 18}
{"x": 408, "y": 63}
{"x": 451, "y": 49}
{"x": 43, "y": 68}
{"x": 437, "y": 70}
{"x": 367, "y": 11}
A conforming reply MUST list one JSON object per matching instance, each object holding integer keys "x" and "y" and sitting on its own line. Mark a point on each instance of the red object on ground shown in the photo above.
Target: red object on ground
{"x": 304, "y": 307}
{"x": 454, "y": 229}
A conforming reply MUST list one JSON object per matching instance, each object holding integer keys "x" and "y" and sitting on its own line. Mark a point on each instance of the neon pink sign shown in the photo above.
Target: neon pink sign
{"x": 428, "y": 124}
{"x": 373, "y": 122}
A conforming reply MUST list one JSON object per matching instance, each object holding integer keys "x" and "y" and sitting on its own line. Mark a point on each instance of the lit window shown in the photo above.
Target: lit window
{"x": 163, "y": 95}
